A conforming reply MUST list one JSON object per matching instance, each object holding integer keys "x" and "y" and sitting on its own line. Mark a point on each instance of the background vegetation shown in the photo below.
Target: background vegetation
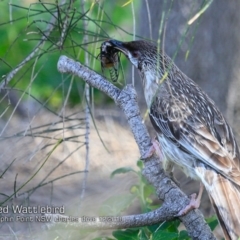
{"x": 54, "y": 129}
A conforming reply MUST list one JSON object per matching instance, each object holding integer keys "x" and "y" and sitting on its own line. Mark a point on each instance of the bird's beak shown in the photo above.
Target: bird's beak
{"x": 121, "y": 46}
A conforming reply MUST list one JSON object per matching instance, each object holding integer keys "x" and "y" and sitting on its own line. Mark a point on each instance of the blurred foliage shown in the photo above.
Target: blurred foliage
{"x": 144, "y": 193}
{"x": 24, "y": 24}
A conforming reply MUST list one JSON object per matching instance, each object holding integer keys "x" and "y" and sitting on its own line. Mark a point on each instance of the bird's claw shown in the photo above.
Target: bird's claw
{"x": 194, "y": 204}
{"x": 155, "y": 147}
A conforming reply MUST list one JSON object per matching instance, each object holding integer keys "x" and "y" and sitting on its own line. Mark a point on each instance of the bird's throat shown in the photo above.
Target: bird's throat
{"x": 150, "y": 87}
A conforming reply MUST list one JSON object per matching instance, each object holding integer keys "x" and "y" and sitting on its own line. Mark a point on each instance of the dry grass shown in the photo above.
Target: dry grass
{"x": 30, "y": 154}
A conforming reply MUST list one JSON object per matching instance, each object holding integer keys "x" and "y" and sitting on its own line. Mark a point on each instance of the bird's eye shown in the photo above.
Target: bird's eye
{"x": 135, "y": 54}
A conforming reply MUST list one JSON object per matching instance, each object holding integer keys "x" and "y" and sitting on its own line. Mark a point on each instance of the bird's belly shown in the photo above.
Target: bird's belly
{"x": 172, "y": 154}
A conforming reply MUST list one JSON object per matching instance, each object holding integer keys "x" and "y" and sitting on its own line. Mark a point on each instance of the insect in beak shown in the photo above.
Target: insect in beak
{"x": 110, "y": 58}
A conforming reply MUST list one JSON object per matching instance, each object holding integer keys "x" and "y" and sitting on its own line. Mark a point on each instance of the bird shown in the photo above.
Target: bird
{"x": 191, "y": 130}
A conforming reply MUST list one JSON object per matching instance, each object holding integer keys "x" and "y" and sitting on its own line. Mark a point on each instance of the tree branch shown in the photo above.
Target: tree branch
{"x": 173, "y": 198}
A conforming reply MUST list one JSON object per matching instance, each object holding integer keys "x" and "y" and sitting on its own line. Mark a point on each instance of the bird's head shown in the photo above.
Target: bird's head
{"x": 142, "y": 54}
{"x": 153, "y": 65}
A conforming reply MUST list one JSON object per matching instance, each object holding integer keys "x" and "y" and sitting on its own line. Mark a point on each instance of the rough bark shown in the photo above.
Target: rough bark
{"x": 174, "y": 199}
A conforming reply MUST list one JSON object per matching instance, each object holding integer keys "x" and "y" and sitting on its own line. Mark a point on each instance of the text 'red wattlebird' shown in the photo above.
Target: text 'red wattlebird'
{"x": 191, "y": 131}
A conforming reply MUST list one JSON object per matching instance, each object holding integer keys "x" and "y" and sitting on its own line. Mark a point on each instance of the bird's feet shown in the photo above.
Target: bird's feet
{"x": 194, "y": 202}
{"x": 154, "y": 148}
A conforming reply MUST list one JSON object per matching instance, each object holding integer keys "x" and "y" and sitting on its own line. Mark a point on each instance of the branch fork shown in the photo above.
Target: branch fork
{"x": 173, "y": 198}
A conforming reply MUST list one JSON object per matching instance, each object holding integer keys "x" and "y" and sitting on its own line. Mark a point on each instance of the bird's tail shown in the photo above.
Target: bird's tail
{"x": 225, "y": 198}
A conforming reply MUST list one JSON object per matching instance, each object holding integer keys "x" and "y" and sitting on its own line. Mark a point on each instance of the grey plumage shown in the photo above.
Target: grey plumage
{"x": 191, "y": 130}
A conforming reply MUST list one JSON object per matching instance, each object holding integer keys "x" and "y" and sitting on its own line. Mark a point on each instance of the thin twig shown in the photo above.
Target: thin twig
{"x": 87, "y": 108}
{"x": 149, "y": 19}
{"x": 35, "y": 173}
{"x": 134, "y": 33}
{"x": 30, "y": 191}
{"x": 49, "y": 29}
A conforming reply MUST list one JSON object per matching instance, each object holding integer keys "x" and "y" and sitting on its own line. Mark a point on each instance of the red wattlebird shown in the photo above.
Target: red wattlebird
{"x": 191, "y": 130}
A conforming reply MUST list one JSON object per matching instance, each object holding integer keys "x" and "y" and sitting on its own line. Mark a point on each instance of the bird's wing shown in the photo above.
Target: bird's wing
{"x": 199, "y": 130}
{"x": 225, "y": 198}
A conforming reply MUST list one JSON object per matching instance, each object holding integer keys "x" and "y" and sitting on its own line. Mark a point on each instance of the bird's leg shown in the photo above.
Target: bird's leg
{"x": 154, "y": 148}
{"x": 194, "y": 202}
{"x": 168, "y": 167}
{"x": 174, "y": 179}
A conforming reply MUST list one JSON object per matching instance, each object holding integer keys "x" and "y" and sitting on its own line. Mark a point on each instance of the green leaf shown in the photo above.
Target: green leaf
{"x": 121, "y": 170}
{"x": 143, "y": 235}
{"x": 153, "y": 207}
{"x": 148, "y": 190}
{"x": 144, "y": 180}
{"x": 130, "y": 234}
{"x": 212, "y": 222}
{"x": 160, "y": 235}
{"x": 183, "y": 235}
{"x": 134, "y": 189}
{"x": 140, "y": 164}
{"x": 149, "y": 201}
{"x": 173, "y": 225}
{"x": 153, "y": 228}
{"x": 103, "y": 238}
{"x": 116, "y": 204}
{"x": 170, "y": 226}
